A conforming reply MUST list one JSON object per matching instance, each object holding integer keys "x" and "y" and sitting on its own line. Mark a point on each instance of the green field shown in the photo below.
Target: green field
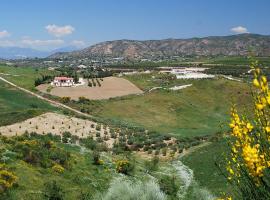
{"x": 198, "y": 110}
{"x": 23, "y": 76}
{"x": 16, "y": 105}
{"x": 206, "y": 173}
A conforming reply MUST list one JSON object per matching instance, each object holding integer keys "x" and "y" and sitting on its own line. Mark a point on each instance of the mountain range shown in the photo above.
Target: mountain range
{"x": 233, "y": 45}
{"x": 22, "y": 53}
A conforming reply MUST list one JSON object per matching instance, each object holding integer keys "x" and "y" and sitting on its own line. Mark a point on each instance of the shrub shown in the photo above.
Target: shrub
{"x": 65, "y": 99}
{"x": 89, "y": 143}
{"x": 7, "y": 179}
{"x": 58, "y": 168}
{"x": 66, "y": 137}
{"x": 96, "y": 158}
{"x": 121, "y": 188}
{"x": 98, "y": 127}
{"x": 97, "y": 134}
{"x": 169, "y": 185}
{"x": 124, "y": 166}
{"x": 53, "y": 191}
{"x": 248, "y": 161}
{"x": 83, "y": 100}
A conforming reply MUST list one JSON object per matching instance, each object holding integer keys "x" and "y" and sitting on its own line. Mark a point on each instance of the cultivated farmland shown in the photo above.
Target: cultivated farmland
{"x": 110, "y": 87}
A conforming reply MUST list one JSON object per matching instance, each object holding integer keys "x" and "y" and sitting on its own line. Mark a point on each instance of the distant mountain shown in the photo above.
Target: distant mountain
{"x": 65, "y": 49}
{"x": 233, "y": 45}
{"x": 22, "y": 53}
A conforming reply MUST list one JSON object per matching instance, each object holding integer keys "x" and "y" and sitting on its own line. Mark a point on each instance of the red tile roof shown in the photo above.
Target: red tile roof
{"x": 62, "y": 78}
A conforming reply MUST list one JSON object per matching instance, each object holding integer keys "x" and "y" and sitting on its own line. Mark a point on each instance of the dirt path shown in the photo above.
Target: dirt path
{"x": 192, "y": 149}
{"x": 55, "y": 103}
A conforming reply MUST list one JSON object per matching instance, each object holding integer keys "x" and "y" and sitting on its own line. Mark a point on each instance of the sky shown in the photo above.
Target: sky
{"x": 51, "y": 24}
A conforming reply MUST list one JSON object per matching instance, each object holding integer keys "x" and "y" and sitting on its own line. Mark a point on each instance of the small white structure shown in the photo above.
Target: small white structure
{"x": 82, "y": 67}
{"x": 62, "y": 82}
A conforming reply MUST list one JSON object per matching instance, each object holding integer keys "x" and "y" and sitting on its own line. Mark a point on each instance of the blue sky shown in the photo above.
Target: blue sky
{"x": 49, "y": 24}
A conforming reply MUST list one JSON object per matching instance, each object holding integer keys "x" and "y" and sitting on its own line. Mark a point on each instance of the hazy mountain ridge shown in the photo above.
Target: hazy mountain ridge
{"x": 22, "y": 53}
{"x": 234, "y": 45}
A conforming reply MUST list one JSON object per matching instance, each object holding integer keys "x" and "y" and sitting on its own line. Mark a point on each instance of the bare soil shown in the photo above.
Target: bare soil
{"x": 110, "y": 87}
{"x": 57, "y": 124}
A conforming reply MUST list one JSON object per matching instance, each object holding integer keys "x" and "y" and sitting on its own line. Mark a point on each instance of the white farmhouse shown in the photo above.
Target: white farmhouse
{"x": 62, "y": 82}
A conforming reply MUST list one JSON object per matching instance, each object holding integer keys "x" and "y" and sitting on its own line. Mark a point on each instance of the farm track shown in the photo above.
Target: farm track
{"x": 193, "y": 149}
{"x": 54, "y": 103}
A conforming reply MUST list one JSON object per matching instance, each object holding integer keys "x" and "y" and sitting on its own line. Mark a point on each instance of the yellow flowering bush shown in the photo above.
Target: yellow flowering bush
{"x": 249, "y": 161}
{"x": 7, "y": 178}
{"x": 58, "y": 168}
{"x": 123, "y": 166}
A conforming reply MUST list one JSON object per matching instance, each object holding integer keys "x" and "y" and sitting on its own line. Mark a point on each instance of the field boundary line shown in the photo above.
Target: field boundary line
{"x": 54, "y": 103}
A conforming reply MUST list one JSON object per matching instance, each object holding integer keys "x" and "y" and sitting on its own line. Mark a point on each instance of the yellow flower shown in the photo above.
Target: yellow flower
{"x": 259, "y": 106}
{"x": 249, "y": 127}
{"x": 256, "y": 82}
{"x": 268, "y": 99}
{"x": 264, "y": 79}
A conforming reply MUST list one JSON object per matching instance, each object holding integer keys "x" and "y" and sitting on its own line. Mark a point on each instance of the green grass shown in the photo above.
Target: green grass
{"x": 16, "y": 105}
{"x": 197, "y": 110}
{"x": 25, "y": 76}
{"x": 206, "y": 173}
{"x": 82, "y": 177}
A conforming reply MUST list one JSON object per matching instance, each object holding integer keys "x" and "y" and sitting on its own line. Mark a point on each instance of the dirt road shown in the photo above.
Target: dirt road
{"x": 55, "y": 103}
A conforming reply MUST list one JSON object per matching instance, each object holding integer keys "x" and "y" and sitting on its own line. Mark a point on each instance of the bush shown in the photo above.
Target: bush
{"x": 58, "y": 168}
{"x": 124, "y": 166}
{"x": 126, "y": 189}
{"x": 89, "y": 143}
{"x": 53, "y": 191}
{"x": 7, "y": 179}
{"x": 66, "y": 137}
{"x": 65, "y": 99}
{"x": 169, "y": 185}
{"x": 98, "y": 127}
{"x": 96, "y": 158}
{"x": 248, "y": 162}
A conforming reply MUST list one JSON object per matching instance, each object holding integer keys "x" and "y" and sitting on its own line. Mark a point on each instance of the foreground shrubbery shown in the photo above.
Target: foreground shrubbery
{"x": 38, "y": 150}
{"x": 131, "y": 190}
{"x": 249, "y": 162}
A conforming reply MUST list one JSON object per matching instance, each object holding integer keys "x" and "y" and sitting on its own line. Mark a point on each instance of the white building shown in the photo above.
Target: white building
{"x": 62, "y": 82}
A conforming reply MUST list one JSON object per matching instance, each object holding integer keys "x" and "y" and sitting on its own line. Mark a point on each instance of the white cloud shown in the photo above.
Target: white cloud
{"x": 59, "y": 31}
{"x": 4, "y": 33}
{"x": 31, "y": 42}
{"x": 239, "y": 29}
{"x": 78, "y": 43}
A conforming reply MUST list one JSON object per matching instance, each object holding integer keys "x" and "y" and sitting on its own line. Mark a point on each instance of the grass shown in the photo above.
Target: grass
{"x": 197, "y": 110}
{"x": 206, "y": 173}
{"x": 23, "y": 76}
{"x": 17, "y": 106}
{"x": 83, "y": 177}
